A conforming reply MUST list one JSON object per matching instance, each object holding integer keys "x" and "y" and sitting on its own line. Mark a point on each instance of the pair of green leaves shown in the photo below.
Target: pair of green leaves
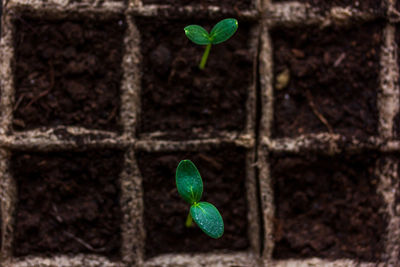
{"x": 221, "y": 32}
{"x": 190, "y": 188}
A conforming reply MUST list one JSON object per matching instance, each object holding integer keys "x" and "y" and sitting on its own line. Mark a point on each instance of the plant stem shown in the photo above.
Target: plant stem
{"x": 189, "y": 221}
{"x": 205, "y": 56}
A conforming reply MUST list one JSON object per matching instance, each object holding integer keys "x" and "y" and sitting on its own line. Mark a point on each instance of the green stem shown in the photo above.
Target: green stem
{"x": 189, "y": 221}
{"x": 205, "y": 56}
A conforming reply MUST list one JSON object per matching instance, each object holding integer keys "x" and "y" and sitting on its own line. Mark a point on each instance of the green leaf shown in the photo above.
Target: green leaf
{"x": 197, "y": 34}
{"x": 208, "y": 218}
{"x": 188, "y": 181}
{"x": 223, "y": 30}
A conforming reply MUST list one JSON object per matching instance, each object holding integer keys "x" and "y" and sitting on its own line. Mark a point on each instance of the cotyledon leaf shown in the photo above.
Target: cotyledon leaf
{"x": 197, "y": 34}
{"x": 208, "y": 218}
{"x": 188, "y": 181}
{"x": 223, "y": 30}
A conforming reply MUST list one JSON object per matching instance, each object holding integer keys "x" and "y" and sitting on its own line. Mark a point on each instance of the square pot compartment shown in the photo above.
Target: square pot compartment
{"x": 331, "y": 74}
{"x": 180, "y": 101}
{"x": 327, "y": 207}
{"x": 67, "y": 72}
{"x": 67, "y": 202}
{"x": 223, "y": 171}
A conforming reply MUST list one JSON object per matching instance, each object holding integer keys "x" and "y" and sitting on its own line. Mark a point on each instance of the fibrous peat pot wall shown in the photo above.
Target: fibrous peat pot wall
{"x": 375, "y": 6}
{"x": 226, "y": 4}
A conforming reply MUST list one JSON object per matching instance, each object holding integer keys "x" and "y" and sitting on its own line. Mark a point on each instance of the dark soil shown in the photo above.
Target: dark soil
{"x": 226, "y": 4}
{"x": 1, "y": 222}
{"x": 370, "y": 5}
{"x": 183, "y": 101}
{"x": 1, "y": 14}
{"x": 64, "y": 197}
{"x": 327, "y": 207}
{"x": 397, "y": 198}
{"x": 396, "y": 126}
{"x": 68, "y": 73}
{"x": 336, "y": 70}
{"x": 165, "y": 212}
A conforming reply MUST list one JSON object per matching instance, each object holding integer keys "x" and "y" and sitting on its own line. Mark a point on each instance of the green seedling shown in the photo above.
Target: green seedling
{"x": 221, "y": 32}
{"x": 190, "y": 188}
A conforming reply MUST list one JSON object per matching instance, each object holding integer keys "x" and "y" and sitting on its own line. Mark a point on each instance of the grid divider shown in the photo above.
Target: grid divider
{"x": 388, "y": 105}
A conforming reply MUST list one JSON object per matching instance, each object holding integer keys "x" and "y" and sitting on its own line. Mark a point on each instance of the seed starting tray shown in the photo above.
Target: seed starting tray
{"x": 271, "y": 157}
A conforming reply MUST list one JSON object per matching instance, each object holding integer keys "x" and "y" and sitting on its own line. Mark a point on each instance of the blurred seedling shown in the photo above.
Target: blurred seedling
{"x": 221, "y": 32}
{"x": 190, "y": 188}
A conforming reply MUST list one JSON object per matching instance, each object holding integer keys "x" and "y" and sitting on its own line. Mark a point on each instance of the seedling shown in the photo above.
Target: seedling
{"x": 221, "y": 32}
{"x": 190, "y": 188}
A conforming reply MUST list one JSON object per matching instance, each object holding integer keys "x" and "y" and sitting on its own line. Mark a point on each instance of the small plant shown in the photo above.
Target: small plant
{"x": 221, "y": 32}
{"x": 190, "y": 188}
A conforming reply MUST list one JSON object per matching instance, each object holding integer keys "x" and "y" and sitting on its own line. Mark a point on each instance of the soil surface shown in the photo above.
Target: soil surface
{"x": 226, "y": 4}
{"x": 327, "y": 207}
{"x": 333, "y": 80}
{"x": 1, "y": 14}
{"x": 1, "y": 223}
{"x": 183, "y": 101}
{"x": 68, "y": 73}
{"x": 396, "y": 126}
{"x": 67, "y": 203}
{"x": 397, "y": 201}
{"x": 165, "y": 212}
{"x": 370, "y": 5}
